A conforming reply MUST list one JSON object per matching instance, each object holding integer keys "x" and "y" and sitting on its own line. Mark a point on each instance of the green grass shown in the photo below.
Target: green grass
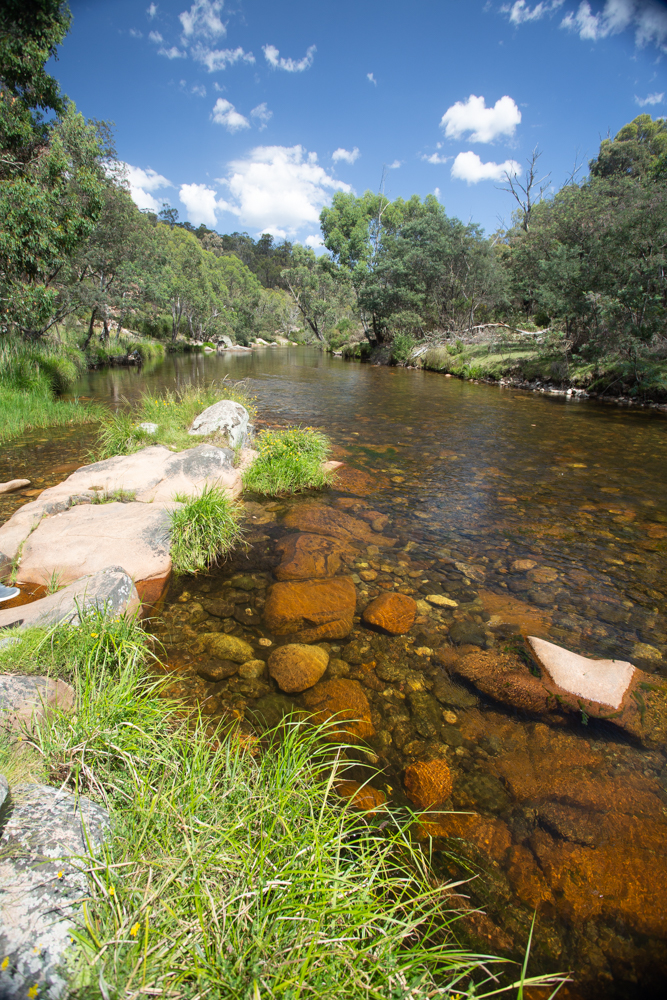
{"x": 289, "y": 461}
{"x": 173, "y": 412}
{"x": 205, "y": 529}
{"x": 231, "y": 870}
{"x": 30, "y": 376}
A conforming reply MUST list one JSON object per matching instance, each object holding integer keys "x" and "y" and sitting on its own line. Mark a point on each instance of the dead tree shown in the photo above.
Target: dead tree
{"x": 529, "y": 191}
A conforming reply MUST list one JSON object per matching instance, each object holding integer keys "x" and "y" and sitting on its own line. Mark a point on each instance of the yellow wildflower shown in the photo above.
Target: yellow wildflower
{"x": 112, "y": 891}
{"x": 33, "y": 991}
{"x": 93, "y": 635}
{"x": 60, "y": 874}
{"x": 5, "y": 963}
{"x": 134, "y": 930}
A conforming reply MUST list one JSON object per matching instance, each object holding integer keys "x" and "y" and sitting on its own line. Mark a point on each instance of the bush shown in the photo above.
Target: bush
{"x": 289, "y": 461}
{"x": 402, "y": 347}
{"x": 203, "y": 530}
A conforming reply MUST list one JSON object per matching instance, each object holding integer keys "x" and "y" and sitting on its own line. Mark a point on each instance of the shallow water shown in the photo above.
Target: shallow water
{"x": 567, "y": 819}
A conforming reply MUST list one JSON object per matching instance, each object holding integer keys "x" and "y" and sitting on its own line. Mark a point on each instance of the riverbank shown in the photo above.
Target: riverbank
{"x": 521, "y": 365}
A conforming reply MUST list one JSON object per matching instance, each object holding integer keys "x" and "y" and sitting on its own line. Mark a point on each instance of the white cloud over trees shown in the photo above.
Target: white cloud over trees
{"x": 483, "y": 124}
{"x": 201, "y": 203}
{"x": 141, "y": 182}
{"x": 468, "y": 167}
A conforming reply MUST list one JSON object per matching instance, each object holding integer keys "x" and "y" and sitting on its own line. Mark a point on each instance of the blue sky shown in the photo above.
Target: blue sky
{"x": 249, "y": 115}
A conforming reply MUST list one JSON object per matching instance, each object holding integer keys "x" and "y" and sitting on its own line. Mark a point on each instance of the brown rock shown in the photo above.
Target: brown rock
{"x": 395, "y": 613}
{"x": 543, "y": 574}
{"x": 217, "y": 670}
{"x": 312, "y": 609}
{"x": 504, "y": 677}
{"x": 521, "y": 565}
{"x": 321, "y": 520}
{"x": 491, "y": 836}
{"x": 308, "y": 557}
{"x": 355, "y": 481}
{"x": 428, "y": 783}
{"x": 362, "y": 797}
{"x": 344, "y": 702}
{"x": 296, "y": 667}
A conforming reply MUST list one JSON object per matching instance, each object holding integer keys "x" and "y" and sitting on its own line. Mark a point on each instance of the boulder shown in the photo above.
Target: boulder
{"x": 467, "y": 633}
{"x": 395, "y": 613}
{"x": 355, "y": 481}
{"x": 311, "y": 610}
{"x": 224, "y": 417}
{"x": 269, "y": 711}
{"x": 148, "y": 428}
{"x": 362, "y": 797}
{"x": 252, "y": 670}
{"x": 296, "y": 667}
{"x": 343, "y": 704}
{"x": 428, "y": 783}
{"x": 227, "y": 647}
{"x": 13, "y": 484}
{"x": 111, "y": 590}
{"x": 322, "y": 520}
{"x": 28, "y": 700}
{"x": 44, "y": 850}
{"x": 89, "y": 538}
{"x": 308, "y": 557}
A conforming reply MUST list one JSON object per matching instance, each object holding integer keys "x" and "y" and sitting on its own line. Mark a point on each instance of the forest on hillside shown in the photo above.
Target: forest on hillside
{"x": 585, "y": 262}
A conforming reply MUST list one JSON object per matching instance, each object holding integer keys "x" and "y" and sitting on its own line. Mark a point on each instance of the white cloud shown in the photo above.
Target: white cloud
{"x": 468, "y": 167}
{"x": 224, "y": 113}
{"x": 436, "y": 192}
{"x": 152, "y": 10}
{"x": 647, "y": 17}
{"x": 484, "y": 124}
{"x": 173, "y": 53}
{"x": 369, "y": 76}
{"x": 520, "y": 11}
{"x": 155, "y": 36}
{"x": 273, "y": 58}
{"x": 262, "y": 114}
{"x": 217, "y": 59}
{"x": 314, "y": 242}
{"x": 135, "y": 33}
{"x": 201, "y": 203}
{"x": 435, "y": 158}
{"x": 650, "y": 99}
{"x": 203, "y": 20}
{"x": 279, "y": 189}
{"x": 199, "y": 89}
{"x": 141, "y": 183}
{"x": 395, "y": 165}
{"x": 349, "y": 155}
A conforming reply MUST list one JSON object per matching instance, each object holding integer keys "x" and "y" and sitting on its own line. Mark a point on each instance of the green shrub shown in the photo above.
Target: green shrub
{"x": 289, "y": 461}
{"x": 402, "y": 347}
{"x": 203, "y": 530}
{"x": 360, "y": 351}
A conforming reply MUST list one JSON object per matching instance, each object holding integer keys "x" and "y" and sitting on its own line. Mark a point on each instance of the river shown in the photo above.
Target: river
{"x": 550, "y": 815}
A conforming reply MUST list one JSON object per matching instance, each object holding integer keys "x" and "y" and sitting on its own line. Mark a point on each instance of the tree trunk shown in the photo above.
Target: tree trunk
{"x": 90, "y": 328}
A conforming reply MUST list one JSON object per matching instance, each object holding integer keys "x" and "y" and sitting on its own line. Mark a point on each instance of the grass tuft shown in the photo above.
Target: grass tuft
{"x": 289, "y": 461}
{"x": 173, "y": 412}
{"x": 205, "y": 529}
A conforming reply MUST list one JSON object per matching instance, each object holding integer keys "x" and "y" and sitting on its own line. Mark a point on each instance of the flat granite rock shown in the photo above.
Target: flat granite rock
{"x": 13, "y": 484}
{"x": 111, "y": 590}
{"x": 44, "y": 848}
{"x": 603, "y": 681}
{"x": 87, "y": 539}
{"x": 26, "y": 700}
{"x": 225, "y": 417}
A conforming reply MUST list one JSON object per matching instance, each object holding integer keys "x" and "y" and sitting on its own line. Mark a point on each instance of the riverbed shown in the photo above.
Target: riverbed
{"x": 559, "y": 506}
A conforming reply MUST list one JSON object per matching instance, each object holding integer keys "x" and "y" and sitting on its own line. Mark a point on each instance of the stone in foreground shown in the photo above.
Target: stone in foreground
{"x": 343, "y": 704}
{"x": 319, "y": 519}
{"x": 311, "y": 610}
{"x": 395, "y": 613}
{"x": 13, "y": 484}
{"x": 308, "y": 557}
{"x": 111, "y": 589}
{"x": 43, "y": 851}
{"x": 428, "y": 783}
{"x": 296, "y": 666}
{"x": 227, "y": 647}
{"x": 603, "y": 681}
{"x": 224, "y": 417}
{"x": 28, "y": 700}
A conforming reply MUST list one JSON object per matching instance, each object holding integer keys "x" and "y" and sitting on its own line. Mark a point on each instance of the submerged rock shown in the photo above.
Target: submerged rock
{"x": 110, "y": 590}
{"x": 296, "y": 666}
{"x": 227, "y": 647}
{"x": 362, "y": 797}
{"x": 308, "y": 557}
{"x": 344, "y": 703}
{"x": 321, "y": 520}
{"x": 428, "y": 782}
{"x": 395, "y": 613}
{"x": 224, "y": 417}
{"x": 28, "y": 700}
{"x": 43, "y": 851}
{"x": 311, "y": 610}
{"x": 13, "y": 484}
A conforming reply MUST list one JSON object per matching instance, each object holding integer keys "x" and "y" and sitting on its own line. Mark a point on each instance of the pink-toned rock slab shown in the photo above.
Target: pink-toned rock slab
{"x": 111, "y": 590}
{"x": 86, "y": 539}
{"x": 603, "y": 681}
{"x": 13, "y": 484}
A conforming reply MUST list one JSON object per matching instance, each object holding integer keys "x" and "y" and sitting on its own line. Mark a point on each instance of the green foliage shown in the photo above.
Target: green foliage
{"x": 322, "y": 294}
{"x": 289, "y": 461}
{"x": 635, "y": 150}
{"x": 204, "y": 530}
{"x": 402, "y": 347}
{"x": 115, "y": 496}
{"x": 173, "y": 412}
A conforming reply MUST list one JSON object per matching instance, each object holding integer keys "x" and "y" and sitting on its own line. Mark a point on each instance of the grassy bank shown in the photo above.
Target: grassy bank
{"x": 231, "y": 869}
{"x": 289, "y": 461}
{"x": 30, "y": 378}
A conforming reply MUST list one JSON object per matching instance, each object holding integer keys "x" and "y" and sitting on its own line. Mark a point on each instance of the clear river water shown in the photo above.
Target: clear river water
{"x": 558, "y": 815}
